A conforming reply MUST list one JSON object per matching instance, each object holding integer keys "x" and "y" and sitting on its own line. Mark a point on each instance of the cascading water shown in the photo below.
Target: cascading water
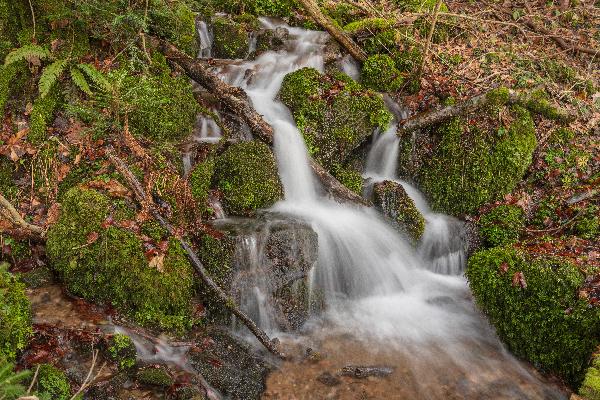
{"x": 412, "y": 305}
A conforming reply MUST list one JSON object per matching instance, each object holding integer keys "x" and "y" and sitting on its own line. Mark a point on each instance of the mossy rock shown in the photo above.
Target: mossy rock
{"x": 379, "y": 72}
{"x": 122, "y": 350}
{"x": 534, "y": 305}
{"x": 108, "y": 264}
{"x": 162, "y": 108}
{"x": 369, "y": 25}
{"x": 200, "y": 180}
{"x": 475, "y": 164}
{"x": 176, "y": 22}
{"x": 502, "y": 225}
{"x": 590, "y": 388}
{"x": 350, "y": 178}
{"x": 155, "y": 376}
{"x": 231, "y": 39}
{"x": 391, "y": 198}
{"x": 333, "y": 112}
{"x": 53, "y": 383}
{"x": 15, "y": 315}
{"x": 246, "y": 173}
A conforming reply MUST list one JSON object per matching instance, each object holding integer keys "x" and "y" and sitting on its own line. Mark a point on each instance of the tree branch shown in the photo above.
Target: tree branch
{"x": 12, "y": 215}
{"x": 226, "y": 300}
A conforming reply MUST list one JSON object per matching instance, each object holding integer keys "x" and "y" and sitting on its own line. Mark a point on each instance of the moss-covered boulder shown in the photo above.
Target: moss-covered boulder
{"x": 379, "y": 72}
{"x": 155, "y": 376}
{"x": 534, "y": 305}
{"x": 472, "y": 163}
{"x": 246, "y": 173}
{"x": 590, "y": 388}
{"x": 502, "y": 225}
{"x": 15, "y": 315}
{"x": 333, "y": 112}
{"x": 349, "y": 177}
{"x": 200, "y": 180}
{"x": 391, "y": 198}
{"x": 107, "y": 264}
{"x": 231, "y": 39}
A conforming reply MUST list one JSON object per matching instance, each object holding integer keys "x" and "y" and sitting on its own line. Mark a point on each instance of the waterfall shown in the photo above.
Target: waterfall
{"x": 375, "y": 284}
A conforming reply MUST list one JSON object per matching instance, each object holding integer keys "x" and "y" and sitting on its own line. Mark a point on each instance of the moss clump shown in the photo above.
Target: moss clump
{"x": 273, "y": 8}
{"x": 534, "y": 305}
{"x": 155, "y": 376}
{"x": 538, "y": 103}
{"x": 200, "y": 180}
{"x": 587, "y": 224}
{"x": 379, "y": 72}
{"x": 53, "y": 383}
{"x": 350, "y": 178}
{"x": 176, "y": 22}
{"x": 333, "y": 112}
{"x": 419, "y": 5}
{"x": 395, "y": 203}
{"x": 217, "y": 256}
{"x": 122, "y": 350}
{"x": 113, "y": 268}
{"x": 161, "y": 108}
{"x": 473, "y": 165}
{"x": 369, "y": 24}
{"x": 502, "y": 225}
{"x": 7, "y": 185}
{"x": 590, "y": 388}
{"x": 230, "y": 38}
{"x": 15, "y": 315}
{"x": 41, "y": 115}
{"x": 246, "y": 173}
{"x": 7, "y": 75}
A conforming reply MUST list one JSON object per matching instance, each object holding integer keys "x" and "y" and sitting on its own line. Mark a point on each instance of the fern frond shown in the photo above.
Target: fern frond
{"x": 28, "y": 52}
{"x": 79, "y": 81}
{"x": 96, "y": 76}
{"x": 16, "y": 378}
{"x": 50, "y": 75}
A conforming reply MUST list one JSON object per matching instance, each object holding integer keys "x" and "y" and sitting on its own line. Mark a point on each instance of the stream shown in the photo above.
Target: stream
{"x": 388, "y": 304}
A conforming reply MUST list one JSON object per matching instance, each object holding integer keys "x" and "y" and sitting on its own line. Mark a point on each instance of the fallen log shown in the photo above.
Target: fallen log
{"x": 313, "y": 9}
{"x": 225, "y": 299}
{"x": 236, "y": 100}
{"x": 507, "y": 96}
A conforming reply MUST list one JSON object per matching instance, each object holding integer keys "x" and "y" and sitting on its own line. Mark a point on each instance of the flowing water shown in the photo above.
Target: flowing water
{"x": 387, "y": 302}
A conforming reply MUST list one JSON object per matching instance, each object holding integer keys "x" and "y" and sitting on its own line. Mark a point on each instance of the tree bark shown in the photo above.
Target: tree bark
{"x": 225, "y": 299}
{"x": 434, "y": 117}
{"x": 313, "y": 9}
{"x": 236, "y": 100}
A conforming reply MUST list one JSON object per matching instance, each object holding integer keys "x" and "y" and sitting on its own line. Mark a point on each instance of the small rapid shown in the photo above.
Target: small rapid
{"x": 410, "y": 306}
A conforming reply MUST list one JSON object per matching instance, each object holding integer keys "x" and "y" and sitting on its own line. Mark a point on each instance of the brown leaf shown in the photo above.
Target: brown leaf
{"x": 504, "y": 267}
{"x": 92, "y": 237}
{"x": 158, "y": 262}
{"x": 519, "y": 280}
{"x": 53, "y": 214}
{"x": 112, "y": 186}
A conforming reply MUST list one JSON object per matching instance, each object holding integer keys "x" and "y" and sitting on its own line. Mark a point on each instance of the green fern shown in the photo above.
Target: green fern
{"x": 10, "y": 381}
{"x": 79, "y": 80}
{"x": 97, "y": 77}
{"x": 50, "y": 75}
{"x": 28, "y": 52}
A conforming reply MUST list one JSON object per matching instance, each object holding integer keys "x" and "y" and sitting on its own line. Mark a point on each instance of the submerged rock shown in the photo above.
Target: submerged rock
{"x": 397, "y": 205}
{"x": 264, "y": 263}
{"x": 356, "y": 371}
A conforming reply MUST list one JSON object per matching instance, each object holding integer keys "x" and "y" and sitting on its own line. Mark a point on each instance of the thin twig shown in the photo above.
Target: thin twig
{"x": 37, "y": 370}
{"x": 429, "y": 38}
{"x": 33, "y": 19}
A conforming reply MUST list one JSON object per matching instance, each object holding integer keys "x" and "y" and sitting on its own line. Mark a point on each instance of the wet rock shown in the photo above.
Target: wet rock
{"x": 356, "y": 371}
{"x": 391, "y": 198}
{"x": 231, "y": 367}
{"x": 269, "y": 260}
{"x": 37, "y": 277}
{"x": 271, "y": 39}
{"x": 328, "y": 379}
{"x": 155, "y": 376}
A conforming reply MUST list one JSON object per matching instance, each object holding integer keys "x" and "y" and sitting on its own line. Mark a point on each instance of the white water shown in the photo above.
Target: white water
{"x": 376, "y": 286}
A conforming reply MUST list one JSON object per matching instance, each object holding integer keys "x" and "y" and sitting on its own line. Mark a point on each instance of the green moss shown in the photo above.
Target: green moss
{"x": 369, "y": 24}
{"x": 15, "y": 315}
{"x": 498, "y": 97}
{"x": 161, "y": 108}
{"x": 587, "y": 223}
{"x": 397, "y": 205}
{"x": 217, "y": 258}
{"x": 538, "y": 103}
{"x": 155, "y": 376}
{"x": 540, "y": 317}
{"x": 176, "y": 22}
{"x": 53, "y": 383}
{"x": 246, "y": 173}
{"x": 7, "y": 184}
{"x": 153, "y": 230}
{"x": 334, "y": 113}
{"x": 350, "y": 178}
{"x": 273, "y": 8}
{"x": 230, "y": 38}
{"x": 200, "y": 180}
{"x": 474, "y": 165}
{"x": 590, "y": 388}
{"x": 42, "y": 114}
{"x": 122, "y": 350}
{"x": 7, "y": 76}
{"x": 113, "y": 268}
{"x": 419, "y": 5}
{"x": 342, "y": 13}
{"x": 379, "y": 72}
{"x": 502, "y": 225}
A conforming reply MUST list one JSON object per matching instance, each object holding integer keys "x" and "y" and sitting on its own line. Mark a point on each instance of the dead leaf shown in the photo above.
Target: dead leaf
{"x": 504, "y": 267}
{"x": 92, "y": 237}
{"x": 53, "y": 214}
{"x": 519, "y": 280}
{"x": 112, "y": 186}
{"x": 158, "y": 262}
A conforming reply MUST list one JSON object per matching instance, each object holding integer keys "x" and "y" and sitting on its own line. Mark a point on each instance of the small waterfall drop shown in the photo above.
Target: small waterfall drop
{"x": 206, "y": 40}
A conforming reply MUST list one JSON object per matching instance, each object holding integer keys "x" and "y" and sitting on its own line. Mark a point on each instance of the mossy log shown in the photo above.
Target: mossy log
{"x": 226, "y": 300}
{"x": 237, "y": 101}
{"x": 500, "y": 96}
{"x": 338, "y": 34}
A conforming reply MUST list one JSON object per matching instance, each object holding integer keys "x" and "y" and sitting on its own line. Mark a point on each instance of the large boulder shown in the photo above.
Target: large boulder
{"x": 333, "y": 112}
{"x": 391, "y": 198}
{"x": 264, "y": 263}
